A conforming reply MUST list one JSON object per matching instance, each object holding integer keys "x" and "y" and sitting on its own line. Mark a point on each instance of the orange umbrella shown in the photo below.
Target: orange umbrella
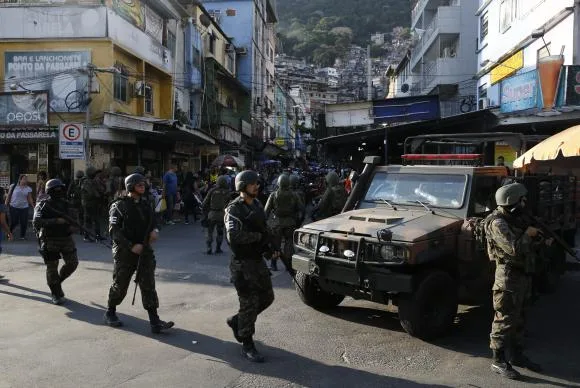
{"x": 566, "y": 143}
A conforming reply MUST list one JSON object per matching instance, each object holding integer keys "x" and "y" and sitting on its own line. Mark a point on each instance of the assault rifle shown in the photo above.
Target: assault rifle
{"x": 545, "y": 231}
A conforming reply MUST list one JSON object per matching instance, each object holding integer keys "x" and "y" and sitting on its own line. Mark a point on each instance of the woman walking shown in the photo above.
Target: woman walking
{"x": 19, "y": 200}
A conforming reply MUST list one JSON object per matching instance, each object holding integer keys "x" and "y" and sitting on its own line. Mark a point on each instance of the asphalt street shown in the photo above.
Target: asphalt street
{"x": 358, "y": 344}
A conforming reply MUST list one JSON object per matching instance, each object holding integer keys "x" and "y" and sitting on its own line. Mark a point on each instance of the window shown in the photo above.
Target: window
{"x": 120, "y": 87}
{"x": 527, "y": 6}
{"x": 211, "y": 43}
{"x": 171, "y": 42}
{"x": 148, "y": 99}
{"x": 507, "y": 14}
{"x": 482, "y": 91}
{"x": 483, "y": 27}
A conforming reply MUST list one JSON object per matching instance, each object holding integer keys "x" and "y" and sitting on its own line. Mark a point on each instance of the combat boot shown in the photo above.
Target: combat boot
{"x": 159, "y": 326}
{"x": 521, "y": 360}
{"x": 233, "y": 324}
{"x": 57, "y": 295}
{"x": 503, "y": 368}
{"x": 250, "y": 352}
{"x": 111, "y": 319}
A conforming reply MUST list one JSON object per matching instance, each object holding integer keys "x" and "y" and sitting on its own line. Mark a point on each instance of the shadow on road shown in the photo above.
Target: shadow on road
{"x": 367, "y": 316}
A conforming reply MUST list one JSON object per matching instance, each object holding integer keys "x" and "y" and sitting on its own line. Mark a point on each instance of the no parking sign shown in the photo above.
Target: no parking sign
{"x": 71, "y": 141}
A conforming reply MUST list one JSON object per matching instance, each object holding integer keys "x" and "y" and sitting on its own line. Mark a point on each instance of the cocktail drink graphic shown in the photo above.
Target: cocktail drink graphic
{"x": 549, "y": 69}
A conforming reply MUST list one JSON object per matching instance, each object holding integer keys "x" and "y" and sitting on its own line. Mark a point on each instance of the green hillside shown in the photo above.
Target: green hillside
{"x": 321, "y": 30}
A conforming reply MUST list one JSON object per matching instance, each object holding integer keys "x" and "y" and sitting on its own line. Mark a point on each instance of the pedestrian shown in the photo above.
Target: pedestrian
{"x": 286, "y": 209}
{"x": 19, "y": 201}
{"x": 54, "y": 233}
{"x": 333, "y": 199}
{"x": 3, "y": 223}
{"x": 115, "y": 185}
{"x": 91, "y": 199}
{"x": 41, "y": 179}
{"x": 248, "y": 238}
{"x": 133, "y": 229}
{"x": 510, "y": 244}
{"x": 213, "y": 208}
{"x": 170, "y": 193}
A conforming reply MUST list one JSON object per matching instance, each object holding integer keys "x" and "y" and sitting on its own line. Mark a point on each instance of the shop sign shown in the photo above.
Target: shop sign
{"x": 280, "y": 141}
{"x": 573, "y": 85}
{"x": 519, "y": 92}
{"x": 23, "y": 109}
{"x": 507, "y": 67}
{"x": 28, "y": 135}
{"x": 54, "y": 71}
{"x": 71, "y": 141}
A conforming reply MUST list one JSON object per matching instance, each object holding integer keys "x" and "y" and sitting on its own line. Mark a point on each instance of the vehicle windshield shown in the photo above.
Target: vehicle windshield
{"x": 434, "y": 190}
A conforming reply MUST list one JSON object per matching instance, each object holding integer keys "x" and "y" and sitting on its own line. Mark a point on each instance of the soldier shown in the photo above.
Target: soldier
{"x": 333, "y": 199}
{"x": 91, "y": 199}
{"x": 287, "y": 210}
{"x": 115, "y": 185}
{"x": 213, "y": 208}
{"x": 509, "y": 244}
{"x": 74, "y": 195}
{"x": 296, "y": 189}
{"x": 133, "y": 229}
{"x": 248, "y": 238}
{"x": 54, "y": 237}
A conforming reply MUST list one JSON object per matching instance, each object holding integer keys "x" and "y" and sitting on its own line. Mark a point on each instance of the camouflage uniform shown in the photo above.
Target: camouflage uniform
{"x": 55, "y": 242}
{"x": 247, "y": 235}
{"x": 287, "y": 210}
{"x": 130, "y": 223}
{"x": 296, "y": 189}
{"x": 333, "y": 199}
{"x": 510, "y": 247}
{"x": 115, "y": 185}
{"x": 91, "y": 198}
{"x": 74, "y": 195}
{"x": 213, "y": 207}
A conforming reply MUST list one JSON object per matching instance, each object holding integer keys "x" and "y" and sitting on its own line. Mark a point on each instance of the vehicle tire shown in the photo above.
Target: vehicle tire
{"x": 312, "y": 295}
{"x": 431, "y": 310}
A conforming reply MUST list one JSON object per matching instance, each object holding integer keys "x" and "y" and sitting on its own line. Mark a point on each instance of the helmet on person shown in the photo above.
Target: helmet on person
{"x": 245, "y": 178}
{"x": 116, "y": 171}
{"x": 284, "y": 181}
{"x": 294, "y": 181}
{"x": 91, "y": 172}
{"x": 52, "y": 185}
{"x": 222, "y": 182}
{"x": 132, "y": 180}
{"x": 139, "y": 170}
{"x": 510, "y": 195}
{"x": 79, "y": 174}
{"x": 332, "y": 179}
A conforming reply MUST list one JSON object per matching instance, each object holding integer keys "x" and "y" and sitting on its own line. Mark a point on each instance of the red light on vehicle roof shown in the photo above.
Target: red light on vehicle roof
{"x": 442, "y": 156}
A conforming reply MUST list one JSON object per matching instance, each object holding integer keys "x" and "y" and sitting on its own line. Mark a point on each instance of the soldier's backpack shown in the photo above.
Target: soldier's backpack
{"x": 219, "y": 200}
{"x": 285, "y": 204}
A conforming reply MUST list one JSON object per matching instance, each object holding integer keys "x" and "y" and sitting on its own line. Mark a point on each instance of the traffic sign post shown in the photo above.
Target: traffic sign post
{"x": 71, "y": 141}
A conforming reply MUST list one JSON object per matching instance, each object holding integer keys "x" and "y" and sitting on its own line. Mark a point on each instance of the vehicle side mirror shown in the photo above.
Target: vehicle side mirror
{"x": 374, "y": 160}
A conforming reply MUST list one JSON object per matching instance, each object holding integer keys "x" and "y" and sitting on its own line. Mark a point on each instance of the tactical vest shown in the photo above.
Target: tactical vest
{"x": 51, "y": 209}
{"x": 219, "y": 200}
{"x": 284, "y": 204}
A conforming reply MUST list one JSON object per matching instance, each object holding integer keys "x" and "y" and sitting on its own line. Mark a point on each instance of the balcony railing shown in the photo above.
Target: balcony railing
{"x": 440, "y": 24}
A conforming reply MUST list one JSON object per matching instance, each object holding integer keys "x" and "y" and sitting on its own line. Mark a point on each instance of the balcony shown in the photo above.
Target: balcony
{"x": 230, "y": 118}
{"x": 447, "y": 20}
{"x": 442, "y": 71}
{"x": 422, "y": 5}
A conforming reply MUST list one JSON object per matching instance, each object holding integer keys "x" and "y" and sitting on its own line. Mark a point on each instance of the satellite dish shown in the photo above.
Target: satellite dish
{"x": 404, "y": 88}
{"x": 205, "y": 20}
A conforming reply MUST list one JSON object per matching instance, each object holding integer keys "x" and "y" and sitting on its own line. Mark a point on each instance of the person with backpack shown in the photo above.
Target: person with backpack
{"x": 286, "y": 209}
{"x": 511, "y": 244}
{"x": 333, "y": 199}
{"x": 19, "y": 201}
{"x": 213, "y": 207}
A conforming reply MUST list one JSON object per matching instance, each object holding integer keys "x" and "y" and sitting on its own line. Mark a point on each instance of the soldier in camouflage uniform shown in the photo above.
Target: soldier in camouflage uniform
{"x": 54, "y": 236}
{"x": 213, "y": 208}
{"x": 509, "y": 244}
{"x": 248, "y": 237}
{"x": 91, "y": 198}
{"x": 133, "y": 229}
{"x": 333, "y": 199}
{"x": 287, "y": 210}
{"x": 115, "y": 185}
{"x": 74, "y": 195}
{"x": 296, "y": 189}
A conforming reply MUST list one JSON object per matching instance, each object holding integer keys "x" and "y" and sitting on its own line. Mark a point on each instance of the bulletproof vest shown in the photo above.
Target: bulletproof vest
{"x": 284, "y": 204}
{"x": 253, "y": 220}
{"x": 339, "y": 198}
{"x": 219, "y": 199}
{"x": 54, "y": 209}
{"x": 138, "y": 219}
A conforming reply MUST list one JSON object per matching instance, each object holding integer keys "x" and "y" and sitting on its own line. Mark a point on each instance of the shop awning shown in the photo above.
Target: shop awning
{"x": 566, "y": 143}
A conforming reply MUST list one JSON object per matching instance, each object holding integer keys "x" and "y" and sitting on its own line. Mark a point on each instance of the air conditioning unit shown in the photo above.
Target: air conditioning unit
{"x": 483, "y": 103}
{"x": 139, "y": 89}
{"x": 242, "y": 51}
{"x": 229, "y": 47}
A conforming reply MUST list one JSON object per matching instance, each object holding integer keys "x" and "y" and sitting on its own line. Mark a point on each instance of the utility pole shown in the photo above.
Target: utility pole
{"x": 576, "y": 34}
{"x": 90, "y": 74}
{"x": 369, "y": 75}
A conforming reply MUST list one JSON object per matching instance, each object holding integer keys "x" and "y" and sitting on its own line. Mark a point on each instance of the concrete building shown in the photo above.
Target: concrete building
{"x": 442, "y": 61}
{"x": 139, "y": 108}
{"x": 251, "y": 25}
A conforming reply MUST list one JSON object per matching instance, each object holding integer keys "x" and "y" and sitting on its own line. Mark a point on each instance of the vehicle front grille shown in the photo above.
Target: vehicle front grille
{"x": 337, "y": 248}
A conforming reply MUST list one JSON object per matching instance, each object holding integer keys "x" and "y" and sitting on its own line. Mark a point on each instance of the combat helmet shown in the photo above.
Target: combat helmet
{"x": 79, "y": 174}
{"x": 245, "y": 178}
{"x": 332, "y": 179}
{"x": 52, "y": 186}
{"x": 139, "y": 170}
{"x": 294, "y": 181}
{"x": 91, "y": 172}
{"x": 132, "y": 180}
{"x": 284, "y": 182}
{"x": 510, "y": 195}
{"x": 116, "y": 171}
{"x": 222, "y": 182}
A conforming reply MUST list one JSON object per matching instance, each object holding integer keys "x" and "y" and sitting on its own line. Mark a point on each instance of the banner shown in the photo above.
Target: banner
{"x": 54, "y": 71}
{"x": 23, "y": 109}
{"x": 519, "y": 92}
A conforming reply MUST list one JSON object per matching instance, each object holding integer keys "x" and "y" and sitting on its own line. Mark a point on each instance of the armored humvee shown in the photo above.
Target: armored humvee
{"x": 406, "y": 237}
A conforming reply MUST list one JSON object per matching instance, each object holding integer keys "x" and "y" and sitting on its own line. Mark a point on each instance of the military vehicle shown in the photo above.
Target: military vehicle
{"x": 406, "y": 237}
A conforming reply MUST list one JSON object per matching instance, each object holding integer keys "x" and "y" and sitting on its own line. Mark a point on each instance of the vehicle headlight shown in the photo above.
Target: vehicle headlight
{"x": 394, "y": 253}
{"x": 306, "y": 240}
